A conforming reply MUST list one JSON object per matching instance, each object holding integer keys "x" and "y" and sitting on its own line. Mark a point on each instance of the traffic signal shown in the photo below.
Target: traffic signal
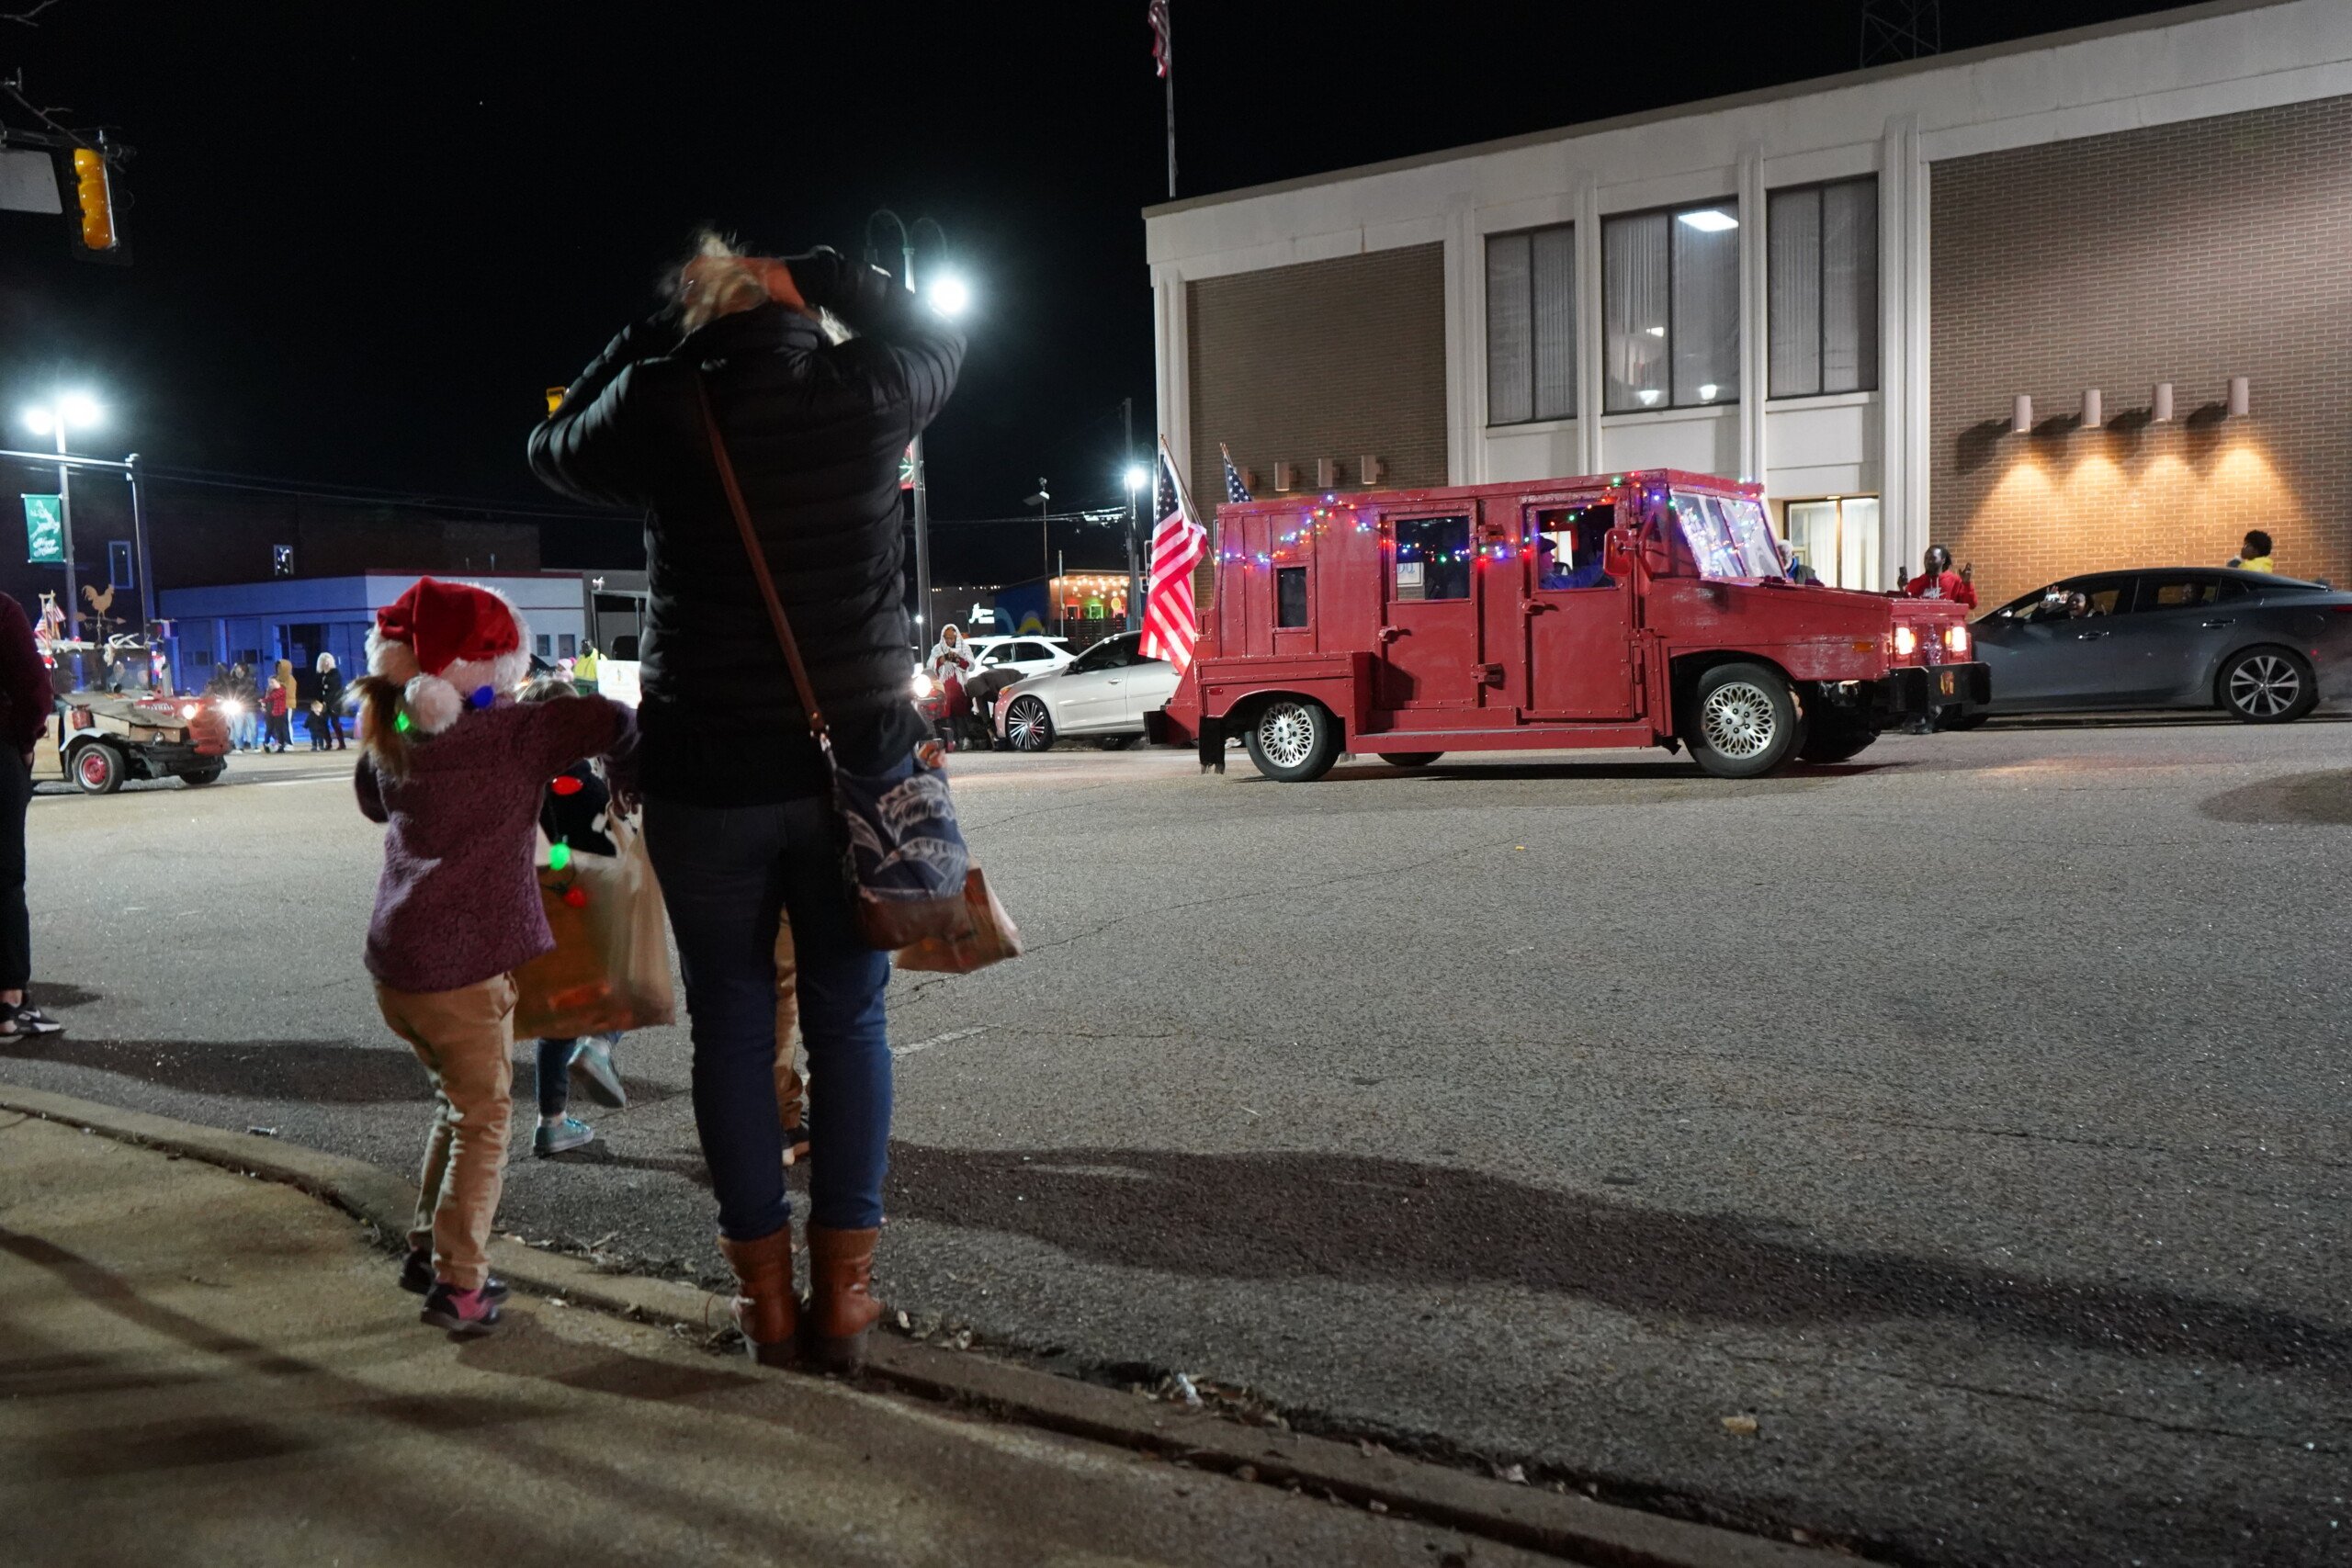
{"x": 97, "y": 233}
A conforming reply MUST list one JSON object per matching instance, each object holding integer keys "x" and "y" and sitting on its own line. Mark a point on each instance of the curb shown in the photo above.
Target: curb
{"x": 1568, "y": 1524}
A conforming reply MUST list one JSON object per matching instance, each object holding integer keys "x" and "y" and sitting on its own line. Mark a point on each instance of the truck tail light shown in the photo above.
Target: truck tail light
{"x": 1956, "y": 640}
{"x": 1906, "y": 642}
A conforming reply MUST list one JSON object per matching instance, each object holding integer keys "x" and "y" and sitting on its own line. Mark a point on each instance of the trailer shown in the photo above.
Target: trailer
{"x": 1637, "y": 609}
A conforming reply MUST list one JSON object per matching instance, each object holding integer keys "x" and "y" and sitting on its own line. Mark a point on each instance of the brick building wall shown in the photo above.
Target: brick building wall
{"x": 1324, "y": 359}
{"x": 2187, "y": 254}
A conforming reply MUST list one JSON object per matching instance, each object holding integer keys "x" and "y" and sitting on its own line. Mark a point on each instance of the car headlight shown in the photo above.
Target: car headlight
{"x": 188, "y": 710}
{"x": 232, "y": 708}
{"x": 1906, "y": 642}
{"x": 1956, "y": 640}
{"x": 924, "y": 686}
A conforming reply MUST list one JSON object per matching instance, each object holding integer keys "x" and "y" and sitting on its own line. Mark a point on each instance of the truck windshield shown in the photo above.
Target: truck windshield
{"x": 1727, "y": 535}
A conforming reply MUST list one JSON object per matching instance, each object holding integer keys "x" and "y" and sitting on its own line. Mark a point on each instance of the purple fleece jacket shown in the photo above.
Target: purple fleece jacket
{"x": 458, "y": 902}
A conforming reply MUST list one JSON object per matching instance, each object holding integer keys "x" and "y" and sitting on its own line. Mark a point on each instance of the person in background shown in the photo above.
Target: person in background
{"x": 278, "y": 705}
{"x": 816, "y": 373}
{"x": 951, "y": 662}
{"x": 572, "y": 811}
{"x": 456, "y": 770}
{"x": 326, "y": 712}
{"x": 1940, "y": 582}
{"x": 583, "y": 669}
{"x": 26, "y": 703}
{"x": 2254, "y": 555}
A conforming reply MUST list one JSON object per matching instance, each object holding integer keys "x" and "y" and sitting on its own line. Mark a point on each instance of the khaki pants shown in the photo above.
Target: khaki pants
{"x": 789, "y": 1090}
{"x": 465, "y": 1038}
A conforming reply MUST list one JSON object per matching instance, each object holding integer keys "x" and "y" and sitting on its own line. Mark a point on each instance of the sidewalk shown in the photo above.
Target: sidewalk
{"x": 198, "y": 1366}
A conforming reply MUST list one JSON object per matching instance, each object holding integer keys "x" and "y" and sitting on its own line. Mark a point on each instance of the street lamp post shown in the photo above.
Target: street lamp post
{"x": 44, "y": 419}
{"x": 1136, "y": 478}
{"x": 948, "y": 296}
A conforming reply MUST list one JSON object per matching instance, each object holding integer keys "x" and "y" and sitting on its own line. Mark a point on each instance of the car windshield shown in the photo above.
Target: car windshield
{"x": 1727, "y": 535}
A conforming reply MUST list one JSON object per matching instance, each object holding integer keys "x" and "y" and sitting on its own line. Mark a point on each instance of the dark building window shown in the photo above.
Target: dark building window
{"x": 118, "y": 572}
{"x": 1532, "y": 326}
{"x": 1433, "y": 557}
{"x": 1821, "y": 273}
{"x": 1290, "y": 595}
{"x": 1669, "y": 306}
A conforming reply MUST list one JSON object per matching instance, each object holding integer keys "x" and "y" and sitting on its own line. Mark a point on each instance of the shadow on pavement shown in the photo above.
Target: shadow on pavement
{"x": 1391, "y": 1222}
{"x": 2322, "y": 797}
{"x": 316, "y": 1072}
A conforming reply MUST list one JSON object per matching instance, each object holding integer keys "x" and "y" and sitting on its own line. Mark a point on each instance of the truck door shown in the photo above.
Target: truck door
{"x": 1428, "y": 637}
{"x": 1580, "y": 619}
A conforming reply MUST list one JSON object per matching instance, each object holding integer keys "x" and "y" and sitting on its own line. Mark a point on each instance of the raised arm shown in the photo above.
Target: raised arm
{"x": 588, "y": 449}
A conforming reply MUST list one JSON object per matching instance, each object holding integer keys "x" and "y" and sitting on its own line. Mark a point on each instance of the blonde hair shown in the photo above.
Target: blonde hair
{"x": 717, "y": 279}
{"x": 377, "y": 700}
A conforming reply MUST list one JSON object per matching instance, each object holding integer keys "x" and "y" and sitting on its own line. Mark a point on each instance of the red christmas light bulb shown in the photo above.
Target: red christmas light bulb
{"x": 564, "y": 784}
{"x": 576, "y": 896}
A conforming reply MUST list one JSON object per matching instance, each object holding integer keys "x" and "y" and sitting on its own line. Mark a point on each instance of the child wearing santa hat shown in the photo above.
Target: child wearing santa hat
{"x": 455, "y": 767}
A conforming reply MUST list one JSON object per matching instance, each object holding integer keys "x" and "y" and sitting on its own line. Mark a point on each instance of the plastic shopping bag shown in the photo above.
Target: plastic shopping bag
{"x": 610, "y": 969}
{"x": 990, "y": 937}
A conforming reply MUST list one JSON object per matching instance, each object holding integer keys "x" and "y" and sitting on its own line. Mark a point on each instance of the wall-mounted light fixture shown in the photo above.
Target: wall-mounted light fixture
{"x": 2160, "y": 404}
{"x": 2094, "y": 408}
{"x": 2241, "y": 397}
{"x": 2022, "y": 415}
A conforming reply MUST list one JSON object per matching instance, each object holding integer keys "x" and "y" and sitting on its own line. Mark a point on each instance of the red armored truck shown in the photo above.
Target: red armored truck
{"x": 1640, "y": 609}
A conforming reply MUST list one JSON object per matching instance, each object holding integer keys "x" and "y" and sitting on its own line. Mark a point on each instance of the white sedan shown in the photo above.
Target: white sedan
{"x": 1029, "y": 655}
{"x": 1104, "y": 693}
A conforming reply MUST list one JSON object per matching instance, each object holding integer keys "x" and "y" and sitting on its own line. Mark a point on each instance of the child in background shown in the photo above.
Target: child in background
{"x": 456, "y": 768}
{"x": 279, "y": 703}
{"x": 572, "y": 811}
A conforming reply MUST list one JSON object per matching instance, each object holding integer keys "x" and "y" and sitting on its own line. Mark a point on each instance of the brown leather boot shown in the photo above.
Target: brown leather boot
{"x": 842, "y": 1307}
{"x": 766, "y": 1310}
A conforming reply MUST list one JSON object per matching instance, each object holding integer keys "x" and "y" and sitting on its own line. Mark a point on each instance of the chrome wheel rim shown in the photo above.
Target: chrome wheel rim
{"x": 2265, "y": 685}
{"x": 1286, "y": 735}
{"x": 1027, "y": 724}
{"x": 1739, "y": 719}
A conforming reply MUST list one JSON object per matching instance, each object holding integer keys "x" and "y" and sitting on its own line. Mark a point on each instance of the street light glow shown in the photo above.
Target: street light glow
{"x": 80, "y": 408}
{"x": 949, "y": 296}
{"x": 40, "y": 421}
{"x": 1137, "y": 478}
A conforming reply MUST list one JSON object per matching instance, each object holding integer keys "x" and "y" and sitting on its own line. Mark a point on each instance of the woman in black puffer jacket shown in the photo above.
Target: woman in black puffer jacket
{"x": 818, "y": 374}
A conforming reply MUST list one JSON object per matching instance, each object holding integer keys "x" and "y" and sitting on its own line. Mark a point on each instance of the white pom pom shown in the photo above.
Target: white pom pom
{"x": 433, "y": 704}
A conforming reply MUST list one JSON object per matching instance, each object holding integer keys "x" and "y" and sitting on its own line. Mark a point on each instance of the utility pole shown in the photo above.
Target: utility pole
{"x": 138, "y": 543}
{"x": 65, "y": 527}
{"x": 1135, "y": 591}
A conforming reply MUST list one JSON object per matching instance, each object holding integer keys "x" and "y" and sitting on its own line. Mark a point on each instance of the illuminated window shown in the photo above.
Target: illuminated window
{"x": 1837, "y": 540}
{"x": 1670, "y": 305}
{"x": 1532, "y": 326}
{"x": 1821, "y": 273}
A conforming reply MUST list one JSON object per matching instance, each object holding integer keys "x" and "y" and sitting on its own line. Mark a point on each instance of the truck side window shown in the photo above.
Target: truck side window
{"x": 1433, "y": 557}
{"x": 1568, "y": 547}
{"x": 1290, "y": 596}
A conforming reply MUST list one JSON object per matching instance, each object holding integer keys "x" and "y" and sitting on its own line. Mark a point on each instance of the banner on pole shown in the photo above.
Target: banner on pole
{"x": 45, "y": 530}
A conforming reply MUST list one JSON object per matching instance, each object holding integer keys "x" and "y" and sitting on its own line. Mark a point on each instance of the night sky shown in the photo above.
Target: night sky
{"x": 367, "y": 236}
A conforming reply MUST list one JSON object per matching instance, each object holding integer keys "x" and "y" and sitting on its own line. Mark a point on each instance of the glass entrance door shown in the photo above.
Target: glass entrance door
{"x": 1837, "y": 539}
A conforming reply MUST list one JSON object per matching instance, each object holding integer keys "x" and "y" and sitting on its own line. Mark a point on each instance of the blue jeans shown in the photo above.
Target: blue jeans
{"x": 729, "y": 874}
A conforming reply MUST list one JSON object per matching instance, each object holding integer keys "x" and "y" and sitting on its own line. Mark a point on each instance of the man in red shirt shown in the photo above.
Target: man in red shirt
{"x": 1940, "y": 582}
{"x": 26, "y": 703}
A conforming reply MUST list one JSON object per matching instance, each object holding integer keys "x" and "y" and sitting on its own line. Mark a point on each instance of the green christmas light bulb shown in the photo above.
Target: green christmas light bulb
{"x": 558, "y": 857}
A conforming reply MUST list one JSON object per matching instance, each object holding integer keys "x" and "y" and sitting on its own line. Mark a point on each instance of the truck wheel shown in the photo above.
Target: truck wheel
{"x": 1743, "y": 721}
{"x": 1294, "y": 740}
{"x": 1411, "y": 758}
{"x": 1833, "y": 737}
{"x": 98, "y": 769}
{"x": 2267, "y": 685}
{"x": 1028, "y": 726}
{"x": 201, "y": 776}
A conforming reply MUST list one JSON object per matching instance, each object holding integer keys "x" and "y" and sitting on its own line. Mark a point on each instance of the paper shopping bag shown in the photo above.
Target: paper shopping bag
{"x": 610, "y": 969}
{"x": 991, "y": 937}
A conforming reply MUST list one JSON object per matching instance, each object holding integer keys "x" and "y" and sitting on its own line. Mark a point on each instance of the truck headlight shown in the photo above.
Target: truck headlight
{"x": 1956, "y": 640}
{"x": 1906, "y": 642}
{"x": 924, "y": 686}
{"x": 187, "y": 710}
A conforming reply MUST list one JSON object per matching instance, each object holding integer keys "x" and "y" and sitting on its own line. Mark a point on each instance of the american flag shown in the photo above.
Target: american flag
{"x": 1171, "y": 628}
{"x": 1234, "y": 489}
{"x": 1163, "y": 53}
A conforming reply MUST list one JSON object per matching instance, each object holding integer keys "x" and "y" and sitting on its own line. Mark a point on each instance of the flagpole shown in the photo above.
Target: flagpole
{"x": 1167, "y": 10}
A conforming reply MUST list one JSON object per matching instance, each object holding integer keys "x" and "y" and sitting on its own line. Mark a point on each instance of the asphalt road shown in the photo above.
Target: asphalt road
{"x": 1972, "y": 1116}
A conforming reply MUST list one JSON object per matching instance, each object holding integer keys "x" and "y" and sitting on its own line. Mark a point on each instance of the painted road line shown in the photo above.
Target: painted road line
{"x": 948, "y": 1038}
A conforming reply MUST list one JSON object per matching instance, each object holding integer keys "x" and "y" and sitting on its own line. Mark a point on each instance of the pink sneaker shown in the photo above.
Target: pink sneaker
{"x": 459, "y": 1312}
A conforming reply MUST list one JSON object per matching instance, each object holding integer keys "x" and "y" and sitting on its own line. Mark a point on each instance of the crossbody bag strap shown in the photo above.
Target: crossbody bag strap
{"x": 784, "y": 638}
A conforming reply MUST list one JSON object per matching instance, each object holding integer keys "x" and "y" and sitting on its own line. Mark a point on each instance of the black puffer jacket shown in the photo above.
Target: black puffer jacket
{"x": 816, "y": 430}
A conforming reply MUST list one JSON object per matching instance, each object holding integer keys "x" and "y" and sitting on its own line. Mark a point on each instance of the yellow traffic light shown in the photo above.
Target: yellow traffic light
{"x": 555, "y": 398}
{"x": 96, "y": 196}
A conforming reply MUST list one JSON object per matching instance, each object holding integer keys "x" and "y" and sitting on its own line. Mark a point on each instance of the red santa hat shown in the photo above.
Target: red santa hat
{"x": 451, "y": 645}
